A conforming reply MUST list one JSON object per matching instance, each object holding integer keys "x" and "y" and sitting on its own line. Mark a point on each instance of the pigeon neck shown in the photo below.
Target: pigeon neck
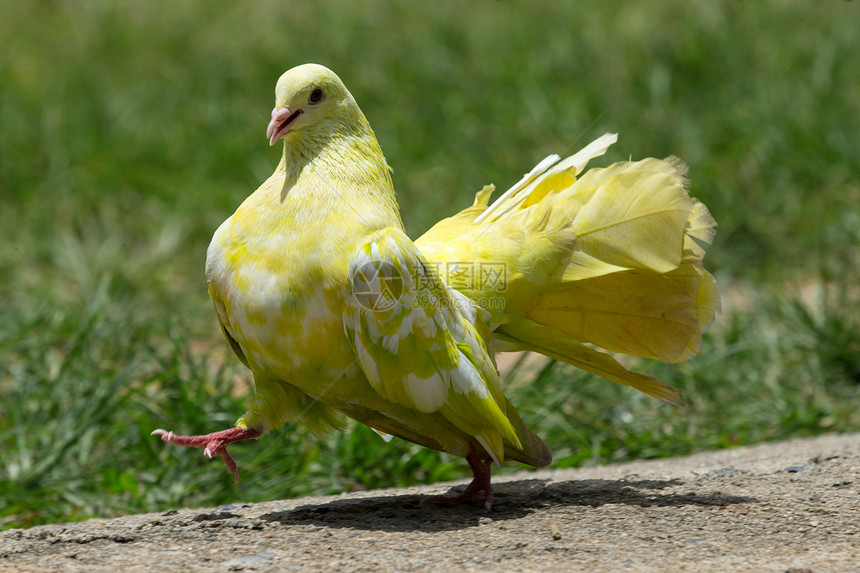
{"x": 344, "y": 165}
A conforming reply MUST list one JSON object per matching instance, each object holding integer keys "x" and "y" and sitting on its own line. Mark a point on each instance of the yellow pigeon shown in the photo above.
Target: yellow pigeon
{"x": 323, "y": 296}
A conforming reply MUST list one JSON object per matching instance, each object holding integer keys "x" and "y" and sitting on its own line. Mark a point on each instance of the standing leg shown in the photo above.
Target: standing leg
{"x": 481, "y": 482}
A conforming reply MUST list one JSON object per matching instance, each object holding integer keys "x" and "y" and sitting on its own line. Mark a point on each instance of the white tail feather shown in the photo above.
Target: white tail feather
{"x": 545, "y": 168}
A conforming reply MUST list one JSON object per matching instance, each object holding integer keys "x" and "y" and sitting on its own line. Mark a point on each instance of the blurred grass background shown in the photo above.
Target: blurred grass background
{"x": 129, "y": 131}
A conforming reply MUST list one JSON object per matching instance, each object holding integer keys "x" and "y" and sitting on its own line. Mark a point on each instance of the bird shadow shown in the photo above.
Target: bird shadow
{"x": 514, "y": 500}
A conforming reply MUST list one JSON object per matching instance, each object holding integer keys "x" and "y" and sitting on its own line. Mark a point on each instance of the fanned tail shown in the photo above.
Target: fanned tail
{"x": 610, "y": 260}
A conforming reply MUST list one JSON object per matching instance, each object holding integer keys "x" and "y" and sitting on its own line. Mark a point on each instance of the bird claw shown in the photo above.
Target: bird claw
{"x": 214, "y": 444}
{"x": 470, "y": 492}
{"x": 165, "y": 435}
{"x": 481, "y": 482}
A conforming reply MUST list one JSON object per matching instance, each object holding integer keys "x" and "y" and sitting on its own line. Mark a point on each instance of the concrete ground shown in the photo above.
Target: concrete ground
{"x": 787, "y": 507}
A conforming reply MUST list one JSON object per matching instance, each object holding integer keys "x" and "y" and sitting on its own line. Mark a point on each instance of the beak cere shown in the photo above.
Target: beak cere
{"x": 282, "y": 120}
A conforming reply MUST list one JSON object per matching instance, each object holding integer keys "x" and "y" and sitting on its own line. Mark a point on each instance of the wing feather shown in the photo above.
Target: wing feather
{"x": 420, "y": 343}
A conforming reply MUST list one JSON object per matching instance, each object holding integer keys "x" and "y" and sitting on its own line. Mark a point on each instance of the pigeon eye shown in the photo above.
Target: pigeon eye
{"x": 316, "y": 96}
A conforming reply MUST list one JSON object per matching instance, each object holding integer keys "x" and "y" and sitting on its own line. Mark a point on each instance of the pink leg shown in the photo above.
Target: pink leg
{"x": 214, "y": 444}
{"x": 481, "y": 482}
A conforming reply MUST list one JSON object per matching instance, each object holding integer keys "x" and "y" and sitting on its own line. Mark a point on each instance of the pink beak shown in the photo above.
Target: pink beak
{"x": 282, "y": 121}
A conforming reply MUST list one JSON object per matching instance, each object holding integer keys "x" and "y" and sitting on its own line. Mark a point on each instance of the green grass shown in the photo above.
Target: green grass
{"x": 129, "y": 131}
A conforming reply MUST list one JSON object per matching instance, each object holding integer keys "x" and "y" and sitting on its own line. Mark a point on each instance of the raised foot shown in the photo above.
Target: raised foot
{"x": 214, "y": 444}
{"x": 481, "y": 482}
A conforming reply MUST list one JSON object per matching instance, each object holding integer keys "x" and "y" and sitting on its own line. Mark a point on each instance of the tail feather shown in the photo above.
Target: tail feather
{"x": 537, "y": 338}
{"x": 701, "y": 224}
{"x": 635, "y": 312}
{"x": 544, "y": 172}
{"x": 636, "y": 216}
{"x": 612, "y": 259}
